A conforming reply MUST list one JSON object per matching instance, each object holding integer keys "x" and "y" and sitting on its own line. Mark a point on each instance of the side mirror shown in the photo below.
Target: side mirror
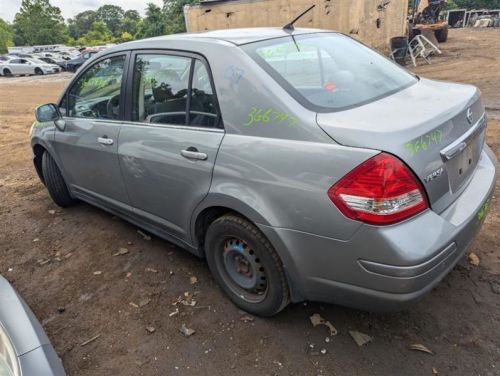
{"x": 50, "y": 112}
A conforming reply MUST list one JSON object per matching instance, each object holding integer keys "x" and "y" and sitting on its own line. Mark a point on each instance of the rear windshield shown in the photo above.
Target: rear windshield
{"x": 329, "y": 72}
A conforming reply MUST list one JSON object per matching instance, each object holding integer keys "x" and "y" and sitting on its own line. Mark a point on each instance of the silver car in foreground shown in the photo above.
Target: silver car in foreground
{"x": 301, "y": 164}
{"x": 24, "y": 347}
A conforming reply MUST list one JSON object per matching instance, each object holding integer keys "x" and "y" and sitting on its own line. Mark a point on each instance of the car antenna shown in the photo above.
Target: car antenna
{"x": 289, "y": 26}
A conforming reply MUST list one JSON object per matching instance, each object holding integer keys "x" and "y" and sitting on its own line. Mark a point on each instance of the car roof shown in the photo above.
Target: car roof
{"x": 234, "y": 36}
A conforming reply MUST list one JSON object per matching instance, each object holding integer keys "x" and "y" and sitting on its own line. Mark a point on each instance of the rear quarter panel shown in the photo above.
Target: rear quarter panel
{"x": 278, "y": 166}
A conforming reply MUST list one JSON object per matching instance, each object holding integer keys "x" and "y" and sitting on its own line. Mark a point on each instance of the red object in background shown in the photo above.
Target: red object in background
{"x": 330, "y": 86}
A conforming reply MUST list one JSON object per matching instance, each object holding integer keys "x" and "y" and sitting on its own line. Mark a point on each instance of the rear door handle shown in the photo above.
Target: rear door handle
{"x": 105, "y": 140}
{"x": 193, "y": 153}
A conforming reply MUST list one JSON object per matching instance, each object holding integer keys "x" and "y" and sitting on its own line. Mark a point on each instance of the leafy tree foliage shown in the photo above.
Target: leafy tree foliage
{"x": 98, "y": 34}
{"x": 153, "y": 24}
{"x": 6, "y": 36}
{"x": 82, "y": 23}
{"x": 477, "y": 4}
{"x": 130, "y": 23}
{"x": 174, "y": 15}
{"x": 132, "y": 14}
{"x": 38, "y": 22}
{"x": 112, "y": 16}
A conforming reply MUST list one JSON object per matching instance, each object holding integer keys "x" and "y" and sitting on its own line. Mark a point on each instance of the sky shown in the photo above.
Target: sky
{"x": 69, "y": 8}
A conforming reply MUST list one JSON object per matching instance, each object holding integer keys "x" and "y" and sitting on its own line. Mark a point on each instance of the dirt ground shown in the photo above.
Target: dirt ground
{"x": 62, "y": 263}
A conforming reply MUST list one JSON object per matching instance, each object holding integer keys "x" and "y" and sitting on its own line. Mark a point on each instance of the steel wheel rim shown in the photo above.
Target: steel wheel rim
{"x": 242, "y": 270}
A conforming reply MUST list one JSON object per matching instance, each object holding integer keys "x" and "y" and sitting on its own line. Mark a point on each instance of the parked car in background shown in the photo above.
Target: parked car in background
{"x": 73, "y": 64}
{"x": 300, "y": 163}
{"x": 49, "y": 60}
{"x": 26, "y": 66}
{"x": 53, "y": 55}
{"x": 24, "y": 347}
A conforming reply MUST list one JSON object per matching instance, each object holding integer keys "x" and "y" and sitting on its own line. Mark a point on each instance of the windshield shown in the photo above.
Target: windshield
{"x": 329, "y": 71}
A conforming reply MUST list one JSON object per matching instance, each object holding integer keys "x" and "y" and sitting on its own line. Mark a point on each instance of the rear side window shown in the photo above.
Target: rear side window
{"x": 328, "y": 71}
{"x": 173, "y": 90}
{"x": 96, "y": 93}
{"x": 202, "y": 107}
{"x": 160, "y": 89}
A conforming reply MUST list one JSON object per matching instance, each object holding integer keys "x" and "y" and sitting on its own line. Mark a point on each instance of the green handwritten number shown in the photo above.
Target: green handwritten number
{"x": 265, "y": 116}
{"x": 483, "y": 210}
{"x": 440, "y": 135}
{"x": 293, "y": 121}
{"x": 409, "y": 147}
{"x": 251, "y": 117}
{"x": 269, "y": 115}
{"x": 423, "y": 143}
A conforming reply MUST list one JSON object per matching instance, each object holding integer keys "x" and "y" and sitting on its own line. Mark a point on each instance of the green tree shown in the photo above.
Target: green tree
{"x": 98, "y": 34}
{"x": 131, "y": 19}
{"x": 112, "y": 16}
{"x": 125, "y": 37}
{"x": 132, "y": 14}
{"x": 478, "y": 4}
{"x": 38, "y": 22}
{"x": 81, "y": 23}
{"x": 153, "y": 24}
{"x": 174, "y": 15}
{"x": 6, "y": 36}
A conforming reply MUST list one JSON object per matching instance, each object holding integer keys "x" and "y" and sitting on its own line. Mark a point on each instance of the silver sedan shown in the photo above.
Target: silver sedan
{"x": 300, "y": 163}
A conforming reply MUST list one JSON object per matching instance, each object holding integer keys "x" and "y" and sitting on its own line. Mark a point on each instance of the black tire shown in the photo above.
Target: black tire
{"x": 254, "y": 246}
{"x": 55, "y": 183}
{"x": 442, "y": 34}
{"x": 38, "y": 71}
{"x": 7, "y": 72}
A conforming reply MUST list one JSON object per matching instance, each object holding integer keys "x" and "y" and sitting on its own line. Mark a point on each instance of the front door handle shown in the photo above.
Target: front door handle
{"x": 193, "y": 153}
{"x": 105, "y": 140}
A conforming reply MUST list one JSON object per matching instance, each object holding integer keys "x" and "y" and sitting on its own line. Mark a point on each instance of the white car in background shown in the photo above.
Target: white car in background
{"x": 26, "y": 66}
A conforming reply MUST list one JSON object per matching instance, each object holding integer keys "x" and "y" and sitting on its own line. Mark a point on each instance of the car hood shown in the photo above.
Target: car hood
{"x": 415, "y": 124}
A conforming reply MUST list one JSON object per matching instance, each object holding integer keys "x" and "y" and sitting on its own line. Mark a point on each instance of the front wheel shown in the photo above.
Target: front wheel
{"x": 55, "y": 182}
{"x": 7, "y": 72}
{"x": 38, "y": 71}
{"x": 246, "y": 266}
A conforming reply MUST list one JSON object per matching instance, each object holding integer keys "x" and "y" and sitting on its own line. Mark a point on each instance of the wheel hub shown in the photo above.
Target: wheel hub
{"x": 243, "y": 266}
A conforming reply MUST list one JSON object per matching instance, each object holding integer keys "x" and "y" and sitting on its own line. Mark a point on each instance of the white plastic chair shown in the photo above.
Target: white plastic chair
{"x": 421, "y": 46}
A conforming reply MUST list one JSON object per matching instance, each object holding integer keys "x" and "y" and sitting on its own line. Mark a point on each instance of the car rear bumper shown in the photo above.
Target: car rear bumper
{"x": 385, "y": 268}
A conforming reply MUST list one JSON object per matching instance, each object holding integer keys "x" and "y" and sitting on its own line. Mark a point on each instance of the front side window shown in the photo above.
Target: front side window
{"x": 162, "y": 93}
{"x": 329, "y": 71}
{"x": 96, "y": 94}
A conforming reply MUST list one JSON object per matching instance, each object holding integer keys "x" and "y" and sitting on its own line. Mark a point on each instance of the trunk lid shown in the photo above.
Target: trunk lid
{"x": 436, "y": 128}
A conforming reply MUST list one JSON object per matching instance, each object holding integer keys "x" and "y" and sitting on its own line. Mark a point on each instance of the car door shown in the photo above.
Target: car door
{"x": 26, "y": 67}
{"x": 15, "y": 66}
{"x": 87, "y": 147}
{"x": 168, "y": 148}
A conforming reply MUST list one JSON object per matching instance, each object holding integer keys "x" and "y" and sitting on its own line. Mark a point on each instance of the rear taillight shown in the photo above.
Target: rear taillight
{"x": 380, "y": 191}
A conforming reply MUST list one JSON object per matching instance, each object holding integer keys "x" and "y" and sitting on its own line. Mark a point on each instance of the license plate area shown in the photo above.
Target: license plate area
{"x": 462, "y": 157}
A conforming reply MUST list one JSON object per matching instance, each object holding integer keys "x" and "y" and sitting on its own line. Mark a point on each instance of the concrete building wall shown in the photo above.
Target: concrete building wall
{"x": 373, "y": 22}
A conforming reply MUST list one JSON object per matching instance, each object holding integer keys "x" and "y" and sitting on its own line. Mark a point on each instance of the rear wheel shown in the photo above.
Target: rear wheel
{"x": 7, "y": 72}
{"x": 246, "y": 266}
{"x": 442, "y": 34}
{"x": 55, "y": 182}
{"x": 38, "y": 71}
